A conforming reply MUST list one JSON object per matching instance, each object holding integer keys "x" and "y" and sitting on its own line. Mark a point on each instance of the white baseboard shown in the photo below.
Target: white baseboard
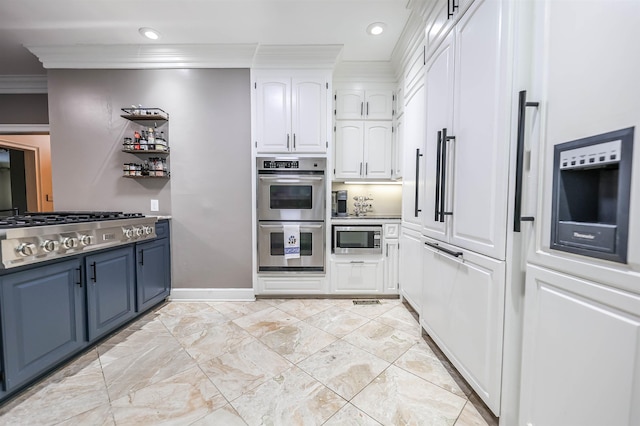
{"x": 215, "y": 294}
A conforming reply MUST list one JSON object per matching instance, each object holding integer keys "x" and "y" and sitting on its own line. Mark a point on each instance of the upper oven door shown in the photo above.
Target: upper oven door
{"x": 290, "y": 197}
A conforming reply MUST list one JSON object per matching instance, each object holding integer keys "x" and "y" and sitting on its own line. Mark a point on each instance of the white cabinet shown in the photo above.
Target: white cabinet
{"x": 463, "y": 311}
{"x": 469, "y": 114}
{"x": 439, "y": 113}
{"x": 391, "y": 270}
{"x": 442, "y": 17}
{"x": 291, "y": 114}
{"x": 413, "y": 169}
{"x": 581, "y": 352}
{"x": 363, "y": 150}
{"x": 370, "y": 104}
{"x": 411, "y": 268}
{"x": 391, "y": 257}
{"x": 397, "y": 149}
{"x": 353, "y": 275}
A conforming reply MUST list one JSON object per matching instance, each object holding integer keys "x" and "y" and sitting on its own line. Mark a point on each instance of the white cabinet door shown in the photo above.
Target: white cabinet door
{"x": 438, "y": 25}
{"x": 413, "y": 164}
{"x": 309, "y": 115}
{"x": 357, "y": 276}
{"x": 463, "y": 311}
{"x": 391, "y": 277}
{"x": 273, "y": 114}
{"x": 411, "y": 268}
{"x": 349, "y": 153}
{"x": 349, "y": 104}
{"x": 353, "y": 104}
{"x": 581, "y": 352}
{"x": 438, "y": 115}
{"x": 378, "y": 105}
{"x": 377, "y": 149}
{"x": 480, "y": 152}
{"x": 397, "y": 150}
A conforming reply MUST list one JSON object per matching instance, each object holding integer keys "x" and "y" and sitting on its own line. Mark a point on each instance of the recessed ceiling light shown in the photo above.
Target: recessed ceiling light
{"x": 149, "y": 33}
{"x": 376, "y": 28}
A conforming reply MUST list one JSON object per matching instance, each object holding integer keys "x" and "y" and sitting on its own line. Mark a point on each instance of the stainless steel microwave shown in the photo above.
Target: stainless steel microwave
{"x": 357, "y": 239}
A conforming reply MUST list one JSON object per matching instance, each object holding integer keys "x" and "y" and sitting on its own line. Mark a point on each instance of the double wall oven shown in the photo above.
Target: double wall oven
{"x": 291, "y": 192}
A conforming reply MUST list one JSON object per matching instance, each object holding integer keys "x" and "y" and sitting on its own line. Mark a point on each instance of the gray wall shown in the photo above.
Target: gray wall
{"x": 23, "y": 109}
{"x": 209, "y": 193}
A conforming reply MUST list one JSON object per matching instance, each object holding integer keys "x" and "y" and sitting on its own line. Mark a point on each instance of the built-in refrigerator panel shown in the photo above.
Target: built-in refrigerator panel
{"x": 592, "y": 92}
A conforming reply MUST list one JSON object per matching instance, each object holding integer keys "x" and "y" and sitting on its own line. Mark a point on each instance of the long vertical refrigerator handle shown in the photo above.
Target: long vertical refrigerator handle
{"x": 517, "y": 206}
{"x": 418, "y": 155}
{"x": 438, "y": 165}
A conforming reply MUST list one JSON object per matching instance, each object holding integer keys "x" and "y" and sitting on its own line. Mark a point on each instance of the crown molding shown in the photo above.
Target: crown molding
{"x": 412, "y": 35}
{"x": 145, "y": 56}
{"x": 23, "y": 84}
{"x": 271, "y": 56}
{"x": 361, "y": 71}
{"x": 23, "y": 128}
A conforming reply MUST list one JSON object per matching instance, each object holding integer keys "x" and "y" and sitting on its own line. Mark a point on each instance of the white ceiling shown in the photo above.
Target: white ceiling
{"x": 44, "y": 23}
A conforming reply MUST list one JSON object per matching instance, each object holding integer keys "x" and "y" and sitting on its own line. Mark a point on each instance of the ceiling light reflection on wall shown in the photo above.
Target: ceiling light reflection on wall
{"x": 149, "y": 33}
{"x": 376, "y": 28}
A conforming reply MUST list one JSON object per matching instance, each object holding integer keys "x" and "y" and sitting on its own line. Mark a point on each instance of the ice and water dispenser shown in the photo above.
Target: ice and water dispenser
{"x": 591, "y": 190}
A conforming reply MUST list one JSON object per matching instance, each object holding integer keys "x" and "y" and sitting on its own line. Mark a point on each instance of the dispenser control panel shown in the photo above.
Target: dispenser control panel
{"x": 596, "y": 155}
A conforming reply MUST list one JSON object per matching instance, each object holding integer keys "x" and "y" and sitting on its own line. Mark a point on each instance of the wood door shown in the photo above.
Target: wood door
{"x": 42, "y": 319}
{"x": 349, "y": 150}
{"x": 463, "y": 311}
{"x": 349, "y": 104}
{"x": 273, "y": 115}
{"x": 309, "y": 115}
{"x": 581, "y": 352}
{"x": 377, "y": 149}
{"x": 481, "y": 127}
{"x": 438, "y": 116}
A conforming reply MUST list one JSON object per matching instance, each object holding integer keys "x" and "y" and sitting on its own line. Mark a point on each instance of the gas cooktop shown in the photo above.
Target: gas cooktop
{"x": 61, "y": 217}
{"x": 38, "y": 237}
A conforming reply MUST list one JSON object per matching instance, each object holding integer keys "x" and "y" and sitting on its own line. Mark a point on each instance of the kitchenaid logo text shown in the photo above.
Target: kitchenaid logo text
{"x": 584, "y": 236}
{"x": 107, "y": 237}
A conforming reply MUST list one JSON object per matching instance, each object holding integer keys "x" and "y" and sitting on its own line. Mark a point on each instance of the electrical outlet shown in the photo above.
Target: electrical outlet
{"x": 155, "y": 206}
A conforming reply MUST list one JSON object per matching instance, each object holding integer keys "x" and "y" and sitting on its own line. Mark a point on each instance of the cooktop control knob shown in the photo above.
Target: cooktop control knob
{"x": 148, "y": 230}
{"x": 26, "y": 249}
{"x": 69, "y": 242}
{"x": 86, "y": 240}
{"x": 128, "y": 232}
{"x": 50, "y": 245}
{"x": 139, "y": 232}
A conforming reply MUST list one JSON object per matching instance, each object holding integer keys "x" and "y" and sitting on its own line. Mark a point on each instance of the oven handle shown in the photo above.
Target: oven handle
{"x": 292, "y": 179}
{"x": 282, "y": 226}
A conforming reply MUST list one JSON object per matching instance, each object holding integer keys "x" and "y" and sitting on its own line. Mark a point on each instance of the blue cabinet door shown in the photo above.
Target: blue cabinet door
{"x": 110, "y": 290}
{"x": 153, "y": 272}
{"x": 42, "y": 319}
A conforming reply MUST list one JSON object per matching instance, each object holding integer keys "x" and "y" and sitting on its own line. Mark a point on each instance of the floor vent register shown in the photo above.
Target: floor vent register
{"x": 366, "y": 302}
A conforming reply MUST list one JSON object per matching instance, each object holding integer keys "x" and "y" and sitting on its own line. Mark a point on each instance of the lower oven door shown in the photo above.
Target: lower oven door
{"x": 271, "y": 247}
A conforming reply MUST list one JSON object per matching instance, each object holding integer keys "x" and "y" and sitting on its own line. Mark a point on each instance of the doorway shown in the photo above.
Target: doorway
{"x": 25, "y": 174}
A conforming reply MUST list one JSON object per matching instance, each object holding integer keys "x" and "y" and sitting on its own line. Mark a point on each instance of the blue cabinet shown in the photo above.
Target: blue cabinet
{"x": 42, "y": 312}
{"x": 153, "y": 265}
{"x": 52, "y": 311}
{"x": 110, "y": 277}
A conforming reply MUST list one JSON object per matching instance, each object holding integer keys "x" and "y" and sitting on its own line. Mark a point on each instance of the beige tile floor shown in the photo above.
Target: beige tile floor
{"x": 268, "y": 362}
